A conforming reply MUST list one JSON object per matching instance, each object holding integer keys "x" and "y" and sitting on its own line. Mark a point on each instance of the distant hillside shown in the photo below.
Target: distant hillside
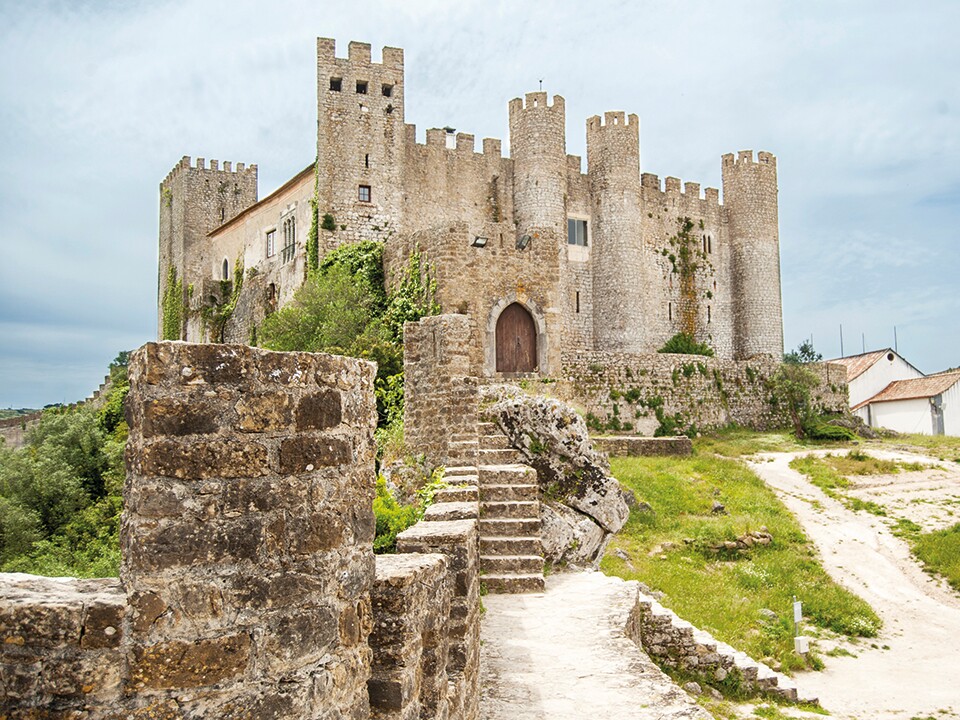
{"x": 16, "y": 412}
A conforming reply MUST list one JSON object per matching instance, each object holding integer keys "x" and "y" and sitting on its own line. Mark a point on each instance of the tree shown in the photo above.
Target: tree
{"x": 684, "y": 344}
{"x": 803, "y": 354}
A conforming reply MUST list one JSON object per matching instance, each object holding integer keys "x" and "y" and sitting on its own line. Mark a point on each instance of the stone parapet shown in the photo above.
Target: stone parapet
{"x": 411, "y": 606}
{"x": 459, "y": 541}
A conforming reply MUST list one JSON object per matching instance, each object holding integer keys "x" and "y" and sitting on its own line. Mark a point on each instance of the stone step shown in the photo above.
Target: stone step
{"x": 509, "y": 527}
{"x": 498, "y": 457}
{"x": 466, "y": 493}
{"x": 511, "y": 564}
{"x": 451, "y": 511}
{"x": 494, "y": 493}
{"x": 506, "y": 545}
{"x": 485, "y": 427}
{"x": 454, "y": 471}
{"x": 510, "y": 509}
{"x": 512, "y": 584}
{"x": 498, "y": 441}
{"x": 507, "y": 474}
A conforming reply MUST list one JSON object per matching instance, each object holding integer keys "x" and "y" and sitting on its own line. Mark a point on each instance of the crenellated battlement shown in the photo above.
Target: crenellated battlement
{"x": 745, "y": 157}
{"x": 463, "y": 144}
{"x": 537, "y": 101}
{"x": 358, "y": 54}
{"x": 186, "y": 164}
{"x": 575, "y": 164}
{"x": 612, "y": 119}
{"x": 688, "y": 191}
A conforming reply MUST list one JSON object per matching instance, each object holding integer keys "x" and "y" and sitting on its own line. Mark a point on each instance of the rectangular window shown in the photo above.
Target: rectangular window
{"x": 577, "y": 233}
{"x": 387, "y": 90}
{"x": 363, "y": 194}
{"x": 271, "y": 243}
{"x": 336, "y": 84}
{"x": 289, "y": 239}
{"x": 361, "y": 87}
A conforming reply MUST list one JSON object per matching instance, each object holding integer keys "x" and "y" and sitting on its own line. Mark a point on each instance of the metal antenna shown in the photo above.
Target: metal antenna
{"x": 541, "y": 83}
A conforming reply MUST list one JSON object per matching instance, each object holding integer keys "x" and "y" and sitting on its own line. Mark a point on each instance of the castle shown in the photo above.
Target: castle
{"x": 544, "y": 259}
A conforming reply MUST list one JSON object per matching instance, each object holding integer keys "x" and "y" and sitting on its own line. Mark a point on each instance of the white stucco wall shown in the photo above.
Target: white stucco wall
{"x": 951, "y": 411}
{"x": 906, "y": 416}
{"x": 881, "y": 373}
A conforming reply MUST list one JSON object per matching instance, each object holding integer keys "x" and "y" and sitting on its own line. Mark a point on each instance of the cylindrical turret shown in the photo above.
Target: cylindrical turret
{"x": 613, "y": 166}
{"x": 750, "y": 204}
{"x": 538, "y": 150}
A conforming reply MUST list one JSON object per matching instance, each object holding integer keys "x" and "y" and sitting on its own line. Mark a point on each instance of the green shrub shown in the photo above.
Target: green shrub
{"x": 684, "y": 344}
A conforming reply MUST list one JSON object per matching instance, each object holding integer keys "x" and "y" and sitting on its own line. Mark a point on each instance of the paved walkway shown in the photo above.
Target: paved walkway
{"x": 563, "y": 654}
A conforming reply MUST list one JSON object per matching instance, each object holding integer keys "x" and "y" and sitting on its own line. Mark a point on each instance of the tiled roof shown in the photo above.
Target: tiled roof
{"x": 922, "y": 387}
{"x": 857, "y": 365}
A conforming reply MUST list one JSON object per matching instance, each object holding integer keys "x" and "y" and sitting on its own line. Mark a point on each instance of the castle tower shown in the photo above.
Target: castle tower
{"x": 194, "y": 200}
{"x": 750, "y": 204}
{"x": 538, "y": 149}
{"x": 360, "y": 140}
{"x": 613, "y": 166}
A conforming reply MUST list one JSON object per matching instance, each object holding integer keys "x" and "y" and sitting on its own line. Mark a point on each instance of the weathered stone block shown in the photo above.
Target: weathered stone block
{"x": 265, "y": 412}
{"x": 202, "y": 459}
{"x": 304, "y": 454}
{"x": 319, "y": 411}
{"x": 169, "y": 416}
{"x": 179, "y": 664}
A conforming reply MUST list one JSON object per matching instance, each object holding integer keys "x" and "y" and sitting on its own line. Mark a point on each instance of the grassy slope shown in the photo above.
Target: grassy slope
{"x": 725, "y": 595}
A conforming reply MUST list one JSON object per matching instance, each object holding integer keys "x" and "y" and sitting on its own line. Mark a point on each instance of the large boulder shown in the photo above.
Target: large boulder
{"x": 581, "y": 503}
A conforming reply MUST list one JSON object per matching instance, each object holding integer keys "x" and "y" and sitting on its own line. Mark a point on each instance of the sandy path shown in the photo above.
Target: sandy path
{"x": 562, "y": 655}
{"x": 919, "y": 675}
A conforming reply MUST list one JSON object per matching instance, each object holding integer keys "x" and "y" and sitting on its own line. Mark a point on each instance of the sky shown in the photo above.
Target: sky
{"x": 859, "y": 101}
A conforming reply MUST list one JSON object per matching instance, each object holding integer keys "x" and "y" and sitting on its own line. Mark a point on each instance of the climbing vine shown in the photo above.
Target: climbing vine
{"x": 215, "y": 316}
{"x": 172, "y": 306}
{"x": 686, "y": 258}
{"x": 313, "y": 239}
{"x": 414, "y": 297}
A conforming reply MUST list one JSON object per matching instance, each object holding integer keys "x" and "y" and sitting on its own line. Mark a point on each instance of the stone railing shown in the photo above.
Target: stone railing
{"x": 678, "y": 644}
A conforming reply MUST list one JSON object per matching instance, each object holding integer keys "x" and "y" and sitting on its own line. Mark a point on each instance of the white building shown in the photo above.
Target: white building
{"x": 871, "y": 372}
{"x": 926, "y": 405}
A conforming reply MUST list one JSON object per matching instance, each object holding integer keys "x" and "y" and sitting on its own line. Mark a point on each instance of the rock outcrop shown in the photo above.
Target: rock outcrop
{"x": 581, "y": 503}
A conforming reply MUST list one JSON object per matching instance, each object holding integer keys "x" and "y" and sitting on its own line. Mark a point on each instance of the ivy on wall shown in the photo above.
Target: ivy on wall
{"x": 687, "y": 258}
{"x": 171, "y": 324}
{"x": 214, "y": 317}
{"x": 313, "y": 238}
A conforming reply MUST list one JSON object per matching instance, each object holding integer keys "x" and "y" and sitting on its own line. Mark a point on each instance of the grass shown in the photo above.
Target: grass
{"x": 724, "y": 595}
{"x": 735, "y": 442}
{"x": 943, "y": 447}
{"x": 939, "y": 550}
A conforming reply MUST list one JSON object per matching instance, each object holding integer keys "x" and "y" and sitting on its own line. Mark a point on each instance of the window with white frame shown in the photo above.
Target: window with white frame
{"x": 289, "y": 239}
{"x": 271, "y": 243}
{"x": 577, "y": 232}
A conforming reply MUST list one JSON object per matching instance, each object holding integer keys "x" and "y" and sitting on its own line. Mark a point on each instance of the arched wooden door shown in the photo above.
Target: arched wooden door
{"x": 516, "y": 340}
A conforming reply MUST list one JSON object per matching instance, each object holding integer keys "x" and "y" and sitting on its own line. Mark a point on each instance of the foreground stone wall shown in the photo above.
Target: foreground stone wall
{"x": 247, "y": 552}
{"x": 633, "y": 393}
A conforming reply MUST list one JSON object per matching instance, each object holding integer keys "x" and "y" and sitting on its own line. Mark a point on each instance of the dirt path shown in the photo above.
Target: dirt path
{"x": 562, "y": 654}
{"x": 918, "y": 676}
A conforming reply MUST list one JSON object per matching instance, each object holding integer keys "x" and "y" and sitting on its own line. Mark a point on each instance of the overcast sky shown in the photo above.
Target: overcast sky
{"x": 860, "y": 101}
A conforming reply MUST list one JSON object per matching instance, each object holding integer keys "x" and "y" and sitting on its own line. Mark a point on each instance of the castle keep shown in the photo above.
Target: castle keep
{"x": 546, "y": 260}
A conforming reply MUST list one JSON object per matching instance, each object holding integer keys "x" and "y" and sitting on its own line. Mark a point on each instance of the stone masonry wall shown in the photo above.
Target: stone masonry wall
{"x": 247, "y": 558}
{"x": 440, "y": 389}
{"x": 632, "y": 393}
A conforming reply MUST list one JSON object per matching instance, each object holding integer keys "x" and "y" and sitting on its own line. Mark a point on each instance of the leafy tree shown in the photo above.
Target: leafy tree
{"x": 804, "y": 353}
{"x": 684, "y": 344}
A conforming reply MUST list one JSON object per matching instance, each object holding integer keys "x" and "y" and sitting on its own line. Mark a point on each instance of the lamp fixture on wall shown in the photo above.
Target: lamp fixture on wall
{"x": 522, "y": 242}
{"x": 479, "y": 242}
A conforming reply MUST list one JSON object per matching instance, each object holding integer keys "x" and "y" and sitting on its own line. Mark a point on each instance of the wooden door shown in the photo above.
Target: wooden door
{"x": 516, "y": 340}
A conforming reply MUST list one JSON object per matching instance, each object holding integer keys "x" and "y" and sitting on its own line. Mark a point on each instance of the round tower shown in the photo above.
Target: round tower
{"x": 750, "y": 206}
{"x": 538, "y": 150}
{"x": 613, "y": 166}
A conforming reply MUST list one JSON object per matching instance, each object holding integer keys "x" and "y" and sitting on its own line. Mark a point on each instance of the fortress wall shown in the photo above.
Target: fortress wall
{"x": 627, "y": 390}
{"x": 481, "y": 281}
{"x": 455, "y": 184}
{"x": 441, "y": 402}
{"x": 672, "y": 304}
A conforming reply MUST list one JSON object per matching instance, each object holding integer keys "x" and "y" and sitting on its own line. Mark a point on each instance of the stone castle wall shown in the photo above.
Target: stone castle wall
{"x": 248, "y": 586}
{"x": 621, "y": 392}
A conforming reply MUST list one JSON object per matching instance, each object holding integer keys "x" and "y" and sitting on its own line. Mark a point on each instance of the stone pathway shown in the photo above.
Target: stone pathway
{"x": 563, "y": 654}
{"x": 911, "y": 669}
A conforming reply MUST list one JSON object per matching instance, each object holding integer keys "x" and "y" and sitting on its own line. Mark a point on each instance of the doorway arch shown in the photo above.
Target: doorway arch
{"x": 516, "y": 340}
